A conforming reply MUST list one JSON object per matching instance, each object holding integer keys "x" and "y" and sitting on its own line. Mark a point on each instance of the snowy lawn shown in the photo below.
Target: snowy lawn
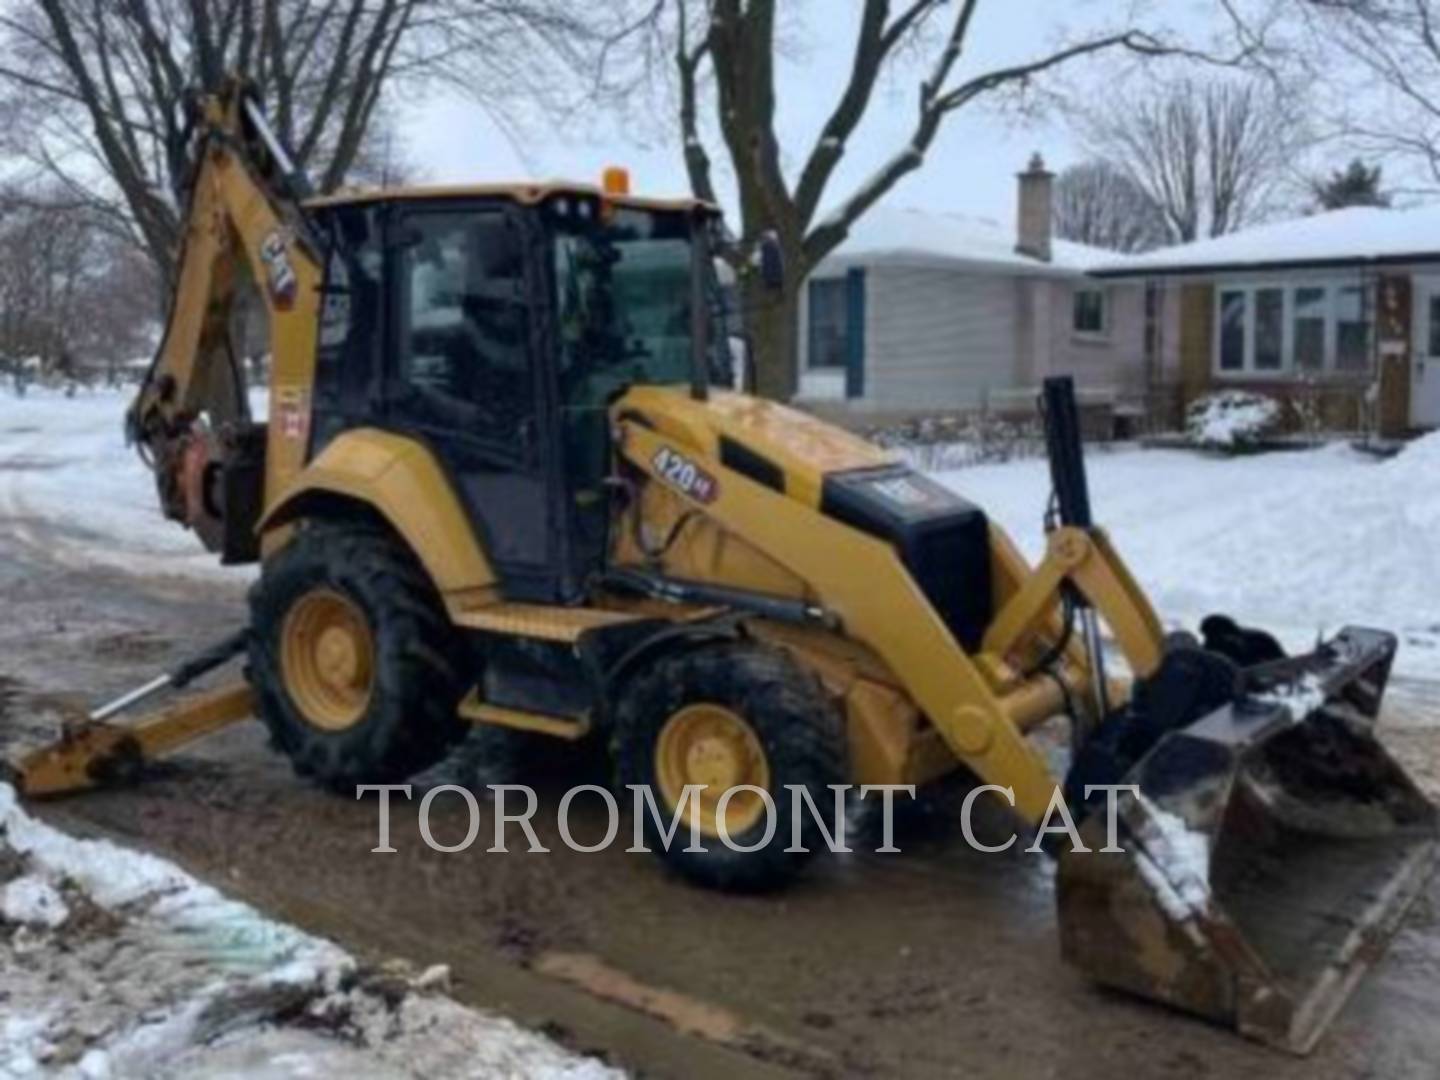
{"x": 70, "y": 485}
{"x": 1296, "y": 542}
{"x": 119, "y": 964}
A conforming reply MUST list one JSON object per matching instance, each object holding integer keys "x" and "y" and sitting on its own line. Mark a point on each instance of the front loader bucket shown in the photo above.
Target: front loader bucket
{"x": 1271, "y": 851}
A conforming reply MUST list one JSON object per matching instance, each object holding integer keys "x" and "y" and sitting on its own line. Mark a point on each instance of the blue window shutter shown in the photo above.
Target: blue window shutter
{"x": 855, "y": 333}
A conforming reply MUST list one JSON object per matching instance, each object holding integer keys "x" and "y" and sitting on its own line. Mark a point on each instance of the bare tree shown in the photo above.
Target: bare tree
{"x": 1378, "y": 62}
{"x": 71, "y": 293}
{"x": 1100, "y": 205}
{"x": 101, "y": 89}
{"x": 1212, "y": 155}
{"x": 723, "y": 54}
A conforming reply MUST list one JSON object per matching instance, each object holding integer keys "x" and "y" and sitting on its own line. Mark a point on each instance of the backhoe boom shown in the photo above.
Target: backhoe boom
{"x": 243, "y": 223}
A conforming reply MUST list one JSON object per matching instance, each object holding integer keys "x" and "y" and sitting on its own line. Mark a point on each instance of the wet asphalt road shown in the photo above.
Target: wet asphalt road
{"x": 939, "y": 961}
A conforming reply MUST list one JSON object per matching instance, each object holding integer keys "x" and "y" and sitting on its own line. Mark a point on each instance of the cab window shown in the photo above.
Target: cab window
{"x": 464, "y": 330}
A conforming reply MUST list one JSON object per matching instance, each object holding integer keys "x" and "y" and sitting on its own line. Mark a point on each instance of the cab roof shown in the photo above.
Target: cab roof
{"x": 527, "y": 193}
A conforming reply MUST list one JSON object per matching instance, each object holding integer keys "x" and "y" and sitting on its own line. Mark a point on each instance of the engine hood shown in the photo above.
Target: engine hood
{"x": 771, "y": 443}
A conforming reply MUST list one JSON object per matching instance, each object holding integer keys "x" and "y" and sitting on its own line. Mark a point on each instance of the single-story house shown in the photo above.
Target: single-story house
{"x": 1338, "y": 314}
{"x": 921, "y": 311}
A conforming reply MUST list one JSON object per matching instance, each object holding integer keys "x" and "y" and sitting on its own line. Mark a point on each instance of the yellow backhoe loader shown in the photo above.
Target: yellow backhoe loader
{"x": 502, "y": 482}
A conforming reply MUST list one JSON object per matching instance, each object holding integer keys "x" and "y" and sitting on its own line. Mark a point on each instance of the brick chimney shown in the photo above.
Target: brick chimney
{"x": 1035, "y": 210}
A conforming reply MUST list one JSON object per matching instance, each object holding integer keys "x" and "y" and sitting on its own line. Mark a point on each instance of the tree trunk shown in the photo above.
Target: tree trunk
{"x": 773, "y": 322}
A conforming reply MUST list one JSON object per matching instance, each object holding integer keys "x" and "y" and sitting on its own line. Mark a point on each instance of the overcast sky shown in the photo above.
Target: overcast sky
{"x": 971, "y": 167}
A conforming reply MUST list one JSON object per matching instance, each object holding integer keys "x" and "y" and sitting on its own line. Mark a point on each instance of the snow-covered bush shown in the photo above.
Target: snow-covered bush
{"x": 1231, "y": 419}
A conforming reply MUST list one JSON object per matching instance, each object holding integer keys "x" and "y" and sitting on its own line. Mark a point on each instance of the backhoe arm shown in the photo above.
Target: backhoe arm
{"x": 191, "y": 417}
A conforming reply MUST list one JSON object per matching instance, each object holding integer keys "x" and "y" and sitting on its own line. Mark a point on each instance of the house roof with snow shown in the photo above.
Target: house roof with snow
{"x": 899, "y": 236}
{"x": 1357, "y": 236}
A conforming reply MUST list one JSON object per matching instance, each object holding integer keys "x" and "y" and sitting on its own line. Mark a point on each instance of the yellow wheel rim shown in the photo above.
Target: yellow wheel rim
{"x": 327, "y": 653}
{"x": 716, "y": 748}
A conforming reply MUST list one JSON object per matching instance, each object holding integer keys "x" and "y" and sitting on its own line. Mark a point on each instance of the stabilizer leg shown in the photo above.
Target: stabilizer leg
{"x": 97, "y": 752}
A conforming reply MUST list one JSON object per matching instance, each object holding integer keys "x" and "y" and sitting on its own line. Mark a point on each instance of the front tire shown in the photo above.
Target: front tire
{"x": 722, "y": 716}
{"x": 352, "y": 658}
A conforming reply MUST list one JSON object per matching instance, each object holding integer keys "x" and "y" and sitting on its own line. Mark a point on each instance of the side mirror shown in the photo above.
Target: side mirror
{"x": 772, "y": 260}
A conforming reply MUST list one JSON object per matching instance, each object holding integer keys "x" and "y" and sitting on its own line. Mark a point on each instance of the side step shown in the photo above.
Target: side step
{"x": 541, "y": 621}
{"x": 569, "y": 728}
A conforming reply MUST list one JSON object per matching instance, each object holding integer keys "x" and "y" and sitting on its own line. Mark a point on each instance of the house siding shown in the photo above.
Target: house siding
{"x": 1197, "y": 318}
{"x": 939, "y": 339}
{"x": 1109, "y": 365}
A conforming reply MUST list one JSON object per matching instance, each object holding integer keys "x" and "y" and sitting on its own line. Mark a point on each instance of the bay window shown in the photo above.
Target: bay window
{"x": 1232, "y": 330}
{"x": 1312, "y": 312}
{"x": 1309, "y": 329}
{"x": 1352, "y": 329}
{"x": 1269, "y": 329}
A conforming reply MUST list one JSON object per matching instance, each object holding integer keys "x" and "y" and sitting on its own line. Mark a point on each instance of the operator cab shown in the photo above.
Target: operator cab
{"x": 497, "y": 325}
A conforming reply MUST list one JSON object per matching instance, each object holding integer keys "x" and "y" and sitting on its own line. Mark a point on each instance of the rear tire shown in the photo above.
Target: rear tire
{"x": 757, "y": 699}
{"x": 368, "y": 689}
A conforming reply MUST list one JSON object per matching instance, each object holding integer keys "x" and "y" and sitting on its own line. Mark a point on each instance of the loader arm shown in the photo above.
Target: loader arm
{"x": 242, "y": 221}
{"x": 1087, "y": 561}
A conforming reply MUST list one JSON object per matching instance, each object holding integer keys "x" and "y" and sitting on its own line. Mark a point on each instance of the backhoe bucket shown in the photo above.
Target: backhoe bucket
{"x": 1271, "y": 851}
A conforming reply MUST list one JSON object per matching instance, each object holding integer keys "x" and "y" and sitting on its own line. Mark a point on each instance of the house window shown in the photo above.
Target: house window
{"x": 1232, "y": 330}
{"x": 829, "y": 323}
{"x": 1088, "y": 311}
{"x": 1269, "y": 329}
{"x": 1312, "y": 312}
{"x": 1309, "y": 329}
{"x": 1352, "y": 329}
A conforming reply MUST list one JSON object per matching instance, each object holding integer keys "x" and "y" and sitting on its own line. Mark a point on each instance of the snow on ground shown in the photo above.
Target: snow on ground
{"x": 118, "y": 964}
{"x": 1297, "y": 542}
{"x": 63, "y": 461}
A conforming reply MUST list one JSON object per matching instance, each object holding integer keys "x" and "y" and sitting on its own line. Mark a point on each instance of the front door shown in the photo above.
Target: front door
{"x": 464, "y": 379}
{"x": 1425, "y": 364}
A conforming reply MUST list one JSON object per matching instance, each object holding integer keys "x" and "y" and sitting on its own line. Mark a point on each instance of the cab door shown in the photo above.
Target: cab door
{"x": 465, "y": 378}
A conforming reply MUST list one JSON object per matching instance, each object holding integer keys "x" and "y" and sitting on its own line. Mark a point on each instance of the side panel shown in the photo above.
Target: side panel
{"x": 400, "y": 479}
{"x": 862, "y": 581}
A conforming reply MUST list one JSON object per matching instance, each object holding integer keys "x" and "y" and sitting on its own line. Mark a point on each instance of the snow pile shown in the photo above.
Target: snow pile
{"x": 1175, "y": 862}
{"x": 119, "y": 964}
{"x": 1298, "y": 544}
{"x": 1299, "y": 698}
{"x": 1418, "y": 465}
{"x": 1231, "y": 419}
{"x": 32, "y": 901}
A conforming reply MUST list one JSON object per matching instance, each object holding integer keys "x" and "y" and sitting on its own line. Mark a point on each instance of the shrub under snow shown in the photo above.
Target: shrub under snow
{"x": 1231, "y": 419}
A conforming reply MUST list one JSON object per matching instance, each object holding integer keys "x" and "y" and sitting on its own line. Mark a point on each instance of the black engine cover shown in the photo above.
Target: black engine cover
{"x": 943, "y": 540}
